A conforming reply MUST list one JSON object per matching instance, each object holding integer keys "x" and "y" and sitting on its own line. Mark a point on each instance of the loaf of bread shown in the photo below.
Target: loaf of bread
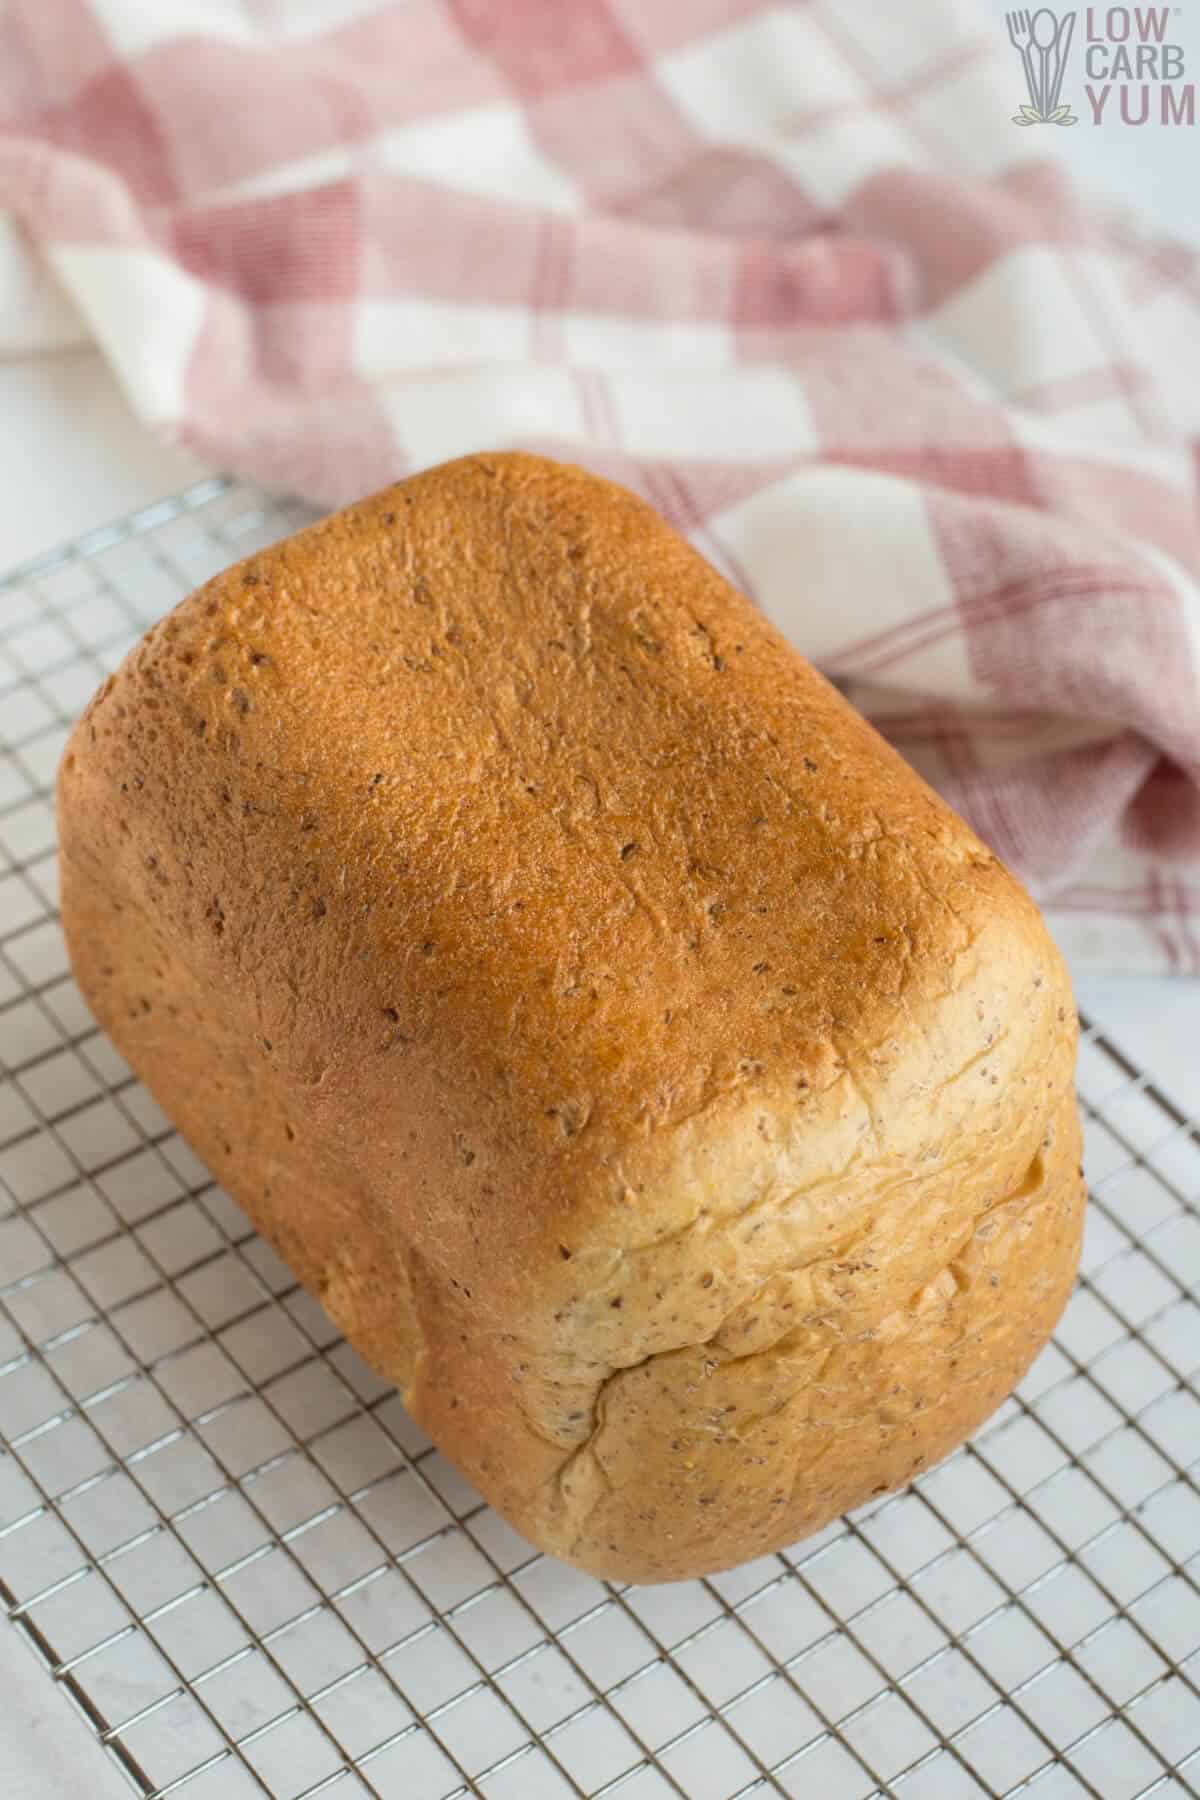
{"x": 649, "y": 1073}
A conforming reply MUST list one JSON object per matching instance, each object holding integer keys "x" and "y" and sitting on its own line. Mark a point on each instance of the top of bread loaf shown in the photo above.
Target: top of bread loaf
{"x": 491, "y": 790}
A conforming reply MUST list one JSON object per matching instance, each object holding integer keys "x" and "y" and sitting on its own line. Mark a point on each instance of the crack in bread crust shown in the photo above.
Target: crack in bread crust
{"x": 969, "y": 1361}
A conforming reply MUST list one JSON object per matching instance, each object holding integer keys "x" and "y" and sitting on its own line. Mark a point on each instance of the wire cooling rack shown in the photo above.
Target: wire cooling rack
{"x": 251, "y": 1573}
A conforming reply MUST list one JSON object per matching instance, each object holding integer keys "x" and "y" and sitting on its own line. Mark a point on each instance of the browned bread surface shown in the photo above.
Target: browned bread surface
{"x": 650, "y": 1074}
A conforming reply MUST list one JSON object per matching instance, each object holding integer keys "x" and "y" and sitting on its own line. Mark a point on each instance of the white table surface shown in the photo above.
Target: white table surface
{"x": 73, "y": 457}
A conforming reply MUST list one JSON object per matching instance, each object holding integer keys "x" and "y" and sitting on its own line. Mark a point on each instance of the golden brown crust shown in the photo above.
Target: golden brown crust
{"x": 580, "y": 994}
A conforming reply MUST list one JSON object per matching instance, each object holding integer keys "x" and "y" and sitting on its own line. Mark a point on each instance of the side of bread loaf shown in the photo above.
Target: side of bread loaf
{"x": 648, "y": 1072}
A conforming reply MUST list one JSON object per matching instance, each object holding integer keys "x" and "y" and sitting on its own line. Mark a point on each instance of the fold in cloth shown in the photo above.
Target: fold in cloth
{"x": 790, "y": 272}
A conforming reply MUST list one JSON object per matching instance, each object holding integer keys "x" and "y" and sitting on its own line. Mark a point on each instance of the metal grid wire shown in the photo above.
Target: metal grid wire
{"x": 251, "y": 1572}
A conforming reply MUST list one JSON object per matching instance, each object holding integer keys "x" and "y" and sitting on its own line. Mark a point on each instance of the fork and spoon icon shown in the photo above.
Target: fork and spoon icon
{"x": 1043, "y": 41}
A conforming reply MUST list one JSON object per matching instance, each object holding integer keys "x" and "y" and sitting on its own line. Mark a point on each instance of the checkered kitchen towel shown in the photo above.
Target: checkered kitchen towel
{"x": 789, "y": 270}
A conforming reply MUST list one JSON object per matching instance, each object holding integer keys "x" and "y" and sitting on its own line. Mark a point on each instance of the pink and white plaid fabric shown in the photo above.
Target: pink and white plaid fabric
{"x": 788, "y": 270}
